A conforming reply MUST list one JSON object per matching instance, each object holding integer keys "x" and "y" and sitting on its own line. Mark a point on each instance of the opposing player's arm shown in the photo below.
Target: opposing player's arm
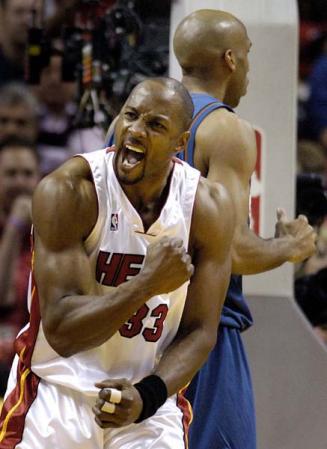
{"x": 211, "y": 236}
{"x": 228, "y": 155}
{"x": 75, "y": 317}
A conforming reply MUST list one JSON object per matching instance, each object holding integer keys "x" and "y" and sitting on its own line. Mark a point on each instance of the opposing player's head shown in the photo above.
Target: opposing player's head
{"x": 152, "y": 127}
{"x": 212, "y": 46}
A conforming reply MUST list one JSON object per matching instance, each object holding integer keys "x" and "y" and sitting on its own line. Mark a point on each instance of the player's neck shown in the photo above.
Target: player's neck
{"x": 211, "y": 87}
{"x": 149, "y": 194}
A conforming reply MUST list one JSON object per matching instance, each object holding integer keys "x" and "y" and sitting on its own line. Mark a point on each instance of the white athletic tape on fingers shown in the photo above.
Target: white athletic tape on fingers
{"x": 108, "y": 407}
{"x": 115, "y": 396}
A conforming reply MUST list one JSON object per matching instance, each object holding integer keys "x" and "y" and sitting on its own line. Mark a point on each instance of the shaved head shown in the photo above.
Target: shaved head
{"x": 212, "y": 49}
{"x": 175, "y": 91}
{"x": 205, "y": 35}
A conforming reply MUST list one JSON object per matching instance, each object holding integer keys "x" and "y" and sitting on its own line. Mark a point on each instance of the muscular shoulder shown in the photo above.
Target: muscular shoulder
{"x": 213, "y": 217}
{"x": 65, "y": 205}
{"x": 226, "y": 139}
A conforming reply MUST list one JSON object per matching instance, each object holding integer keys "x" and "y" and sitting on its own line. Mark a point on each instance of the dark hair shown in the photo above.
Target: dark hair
{"x": 311, "y": 295}
{"x": 17, "y": 94}
{"x": 11, "y": 142}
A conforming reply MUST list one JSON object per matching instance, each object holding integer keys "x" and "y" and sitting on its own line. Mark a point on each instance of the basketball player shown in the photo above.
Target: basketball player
{"x": 212, "y": 49}
{"x": 135, "y": 215}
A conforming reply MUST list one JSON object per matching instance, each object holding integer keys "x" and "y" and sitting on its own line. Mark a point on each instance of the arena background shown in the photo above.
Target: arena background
{"x": 289, "y": 364}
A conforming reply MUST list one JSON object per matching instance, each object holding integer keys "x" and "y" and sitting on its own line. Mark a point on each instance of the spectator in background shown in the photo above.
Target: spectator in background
{"x": 317, "y": 104}
{"x": 18, "y": 112}
{"x": 311, "y": 275}
{"x": 311, "y": 158}
{"x": 19, "y": 175}
{"x": 58, "y": 138}
{"x": 16, "y": 17}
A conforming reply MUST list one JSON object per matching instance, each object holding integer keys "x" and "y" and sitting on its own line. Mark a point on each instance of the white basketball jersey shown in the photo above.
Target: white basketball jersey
{"x": 116, "y": 249}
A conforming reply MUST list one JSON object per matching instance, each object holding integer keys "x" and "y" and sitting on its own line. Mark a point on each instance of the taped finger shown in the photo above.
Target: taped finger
{"x": 115, "y": 396}
{"x": 108, "y": 407}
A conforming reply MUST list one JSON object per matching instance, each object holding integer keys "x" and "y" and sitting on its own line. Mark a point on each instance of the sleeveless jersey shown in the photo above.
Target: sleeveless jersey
{"x": 116, "y": 249}
{"x": 221, "y": 392}
{"x": 236, "y": 312}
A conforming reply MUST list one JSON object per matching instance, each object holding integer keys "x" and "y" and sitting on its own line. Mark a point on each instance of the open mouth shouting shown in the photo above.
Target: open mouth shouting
{"x": 132, "y": 155}
{"x": 130, "y": 161}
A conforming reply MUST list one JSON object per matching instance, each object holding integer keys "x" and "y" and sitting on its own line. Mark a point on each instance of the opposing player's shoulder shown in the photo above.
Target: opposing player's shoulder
{"x": 214, "y": 213}
{"x": 224, "y": 141}
{"x": 64, "y": 203}
{"x": 224, "y": 126}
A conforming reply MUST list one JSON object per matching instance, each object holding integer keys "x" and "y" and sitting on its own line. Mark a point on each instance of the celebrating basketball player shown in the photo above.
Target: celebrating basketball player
{"x": 130, "y": 269}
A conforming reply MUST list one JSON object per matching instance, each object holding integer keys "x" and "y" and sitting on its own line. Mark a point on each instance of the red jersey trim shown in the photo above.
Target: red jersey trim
{"x": 18, "y": 402}
{"x": 16, "y": 406}
{"x": 186, "y": 408}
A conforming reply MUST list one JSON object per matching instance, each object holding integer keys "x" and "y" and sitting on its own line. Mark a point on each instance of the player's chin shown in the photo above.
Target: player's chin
{"x": 129, "y": 178}
{"x": 129, "y": 173}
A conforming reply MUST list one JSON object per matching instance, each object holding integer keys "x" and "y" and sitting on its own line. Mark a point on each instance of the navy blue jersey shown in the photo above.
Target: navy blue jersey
{"x": 110, "y": 141}
{"x": 236, "y": 312}
{"x": 221, "y": 392}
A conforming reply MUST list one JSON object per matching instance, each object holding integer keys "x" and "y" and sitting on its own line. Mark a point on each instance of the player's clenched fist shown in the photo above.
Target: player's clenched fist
{"x": 118, "y": 404}
{"x": 167, "y": 265}
{"x": 302, "y": 237}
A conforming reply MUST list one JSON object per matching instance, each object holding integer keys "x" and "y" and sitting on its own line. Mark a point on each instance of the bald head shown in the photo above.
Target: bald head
{"x": 205, "y": 35}
{"x": 174, "y": 92}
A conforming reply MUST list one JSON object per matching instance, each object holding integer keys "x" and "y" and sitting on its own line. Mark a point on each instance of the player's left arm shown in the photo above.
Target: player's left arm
{"x": 211, "y": 236}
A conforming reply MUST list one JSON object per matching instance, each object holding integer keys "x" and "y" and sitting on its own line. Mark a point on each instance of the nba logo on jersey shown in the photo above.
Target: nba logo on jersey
{"x": 114, "y": 222}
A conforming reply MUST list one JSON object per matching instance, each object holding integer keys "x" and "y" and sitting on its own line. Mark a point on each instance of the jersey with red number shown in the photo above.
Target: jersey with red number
{"x": 116, "y": 249}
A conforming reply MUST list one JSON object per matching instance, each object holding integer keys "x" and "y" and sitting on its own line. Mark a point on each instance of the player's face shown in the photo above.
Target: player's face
{"x": 148, "y": 133}
{"x": 19, "y": 174}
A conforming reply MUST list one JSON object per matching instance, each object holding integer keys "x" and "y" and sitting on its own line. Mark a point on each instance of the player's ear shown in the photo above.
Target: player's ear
{"x": 230, "y": 59}
{"x": 182, "y": 141}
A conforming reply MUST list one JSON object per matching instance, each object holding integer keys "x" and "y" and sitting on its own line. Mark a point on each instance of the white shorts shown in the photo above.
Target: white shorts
{"x": 61, "y": 418}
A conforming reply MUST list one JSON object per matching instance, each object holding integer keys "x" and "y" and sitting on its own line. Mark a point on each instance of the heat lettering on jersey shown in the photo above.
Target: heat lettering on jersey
{"x": 113, "y": 269}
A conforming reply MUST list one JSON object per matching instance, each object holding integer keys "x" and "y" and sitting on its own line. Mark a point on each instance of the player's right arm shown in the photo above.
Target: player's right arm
{"x": 75, "y": 316}
{"x": 226, "y": 153}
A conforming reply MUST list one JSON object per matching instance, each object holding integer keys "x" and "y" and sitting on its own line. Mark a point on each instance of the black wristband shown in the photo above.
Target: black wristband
{"x": 153, "y": 392}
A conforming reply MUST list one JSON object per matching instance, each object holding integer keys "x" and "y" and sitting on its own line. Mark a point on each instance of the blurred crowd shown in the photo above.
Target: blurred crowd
{"x": 311, "y": 277}
{"x": 38, "y": 132}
